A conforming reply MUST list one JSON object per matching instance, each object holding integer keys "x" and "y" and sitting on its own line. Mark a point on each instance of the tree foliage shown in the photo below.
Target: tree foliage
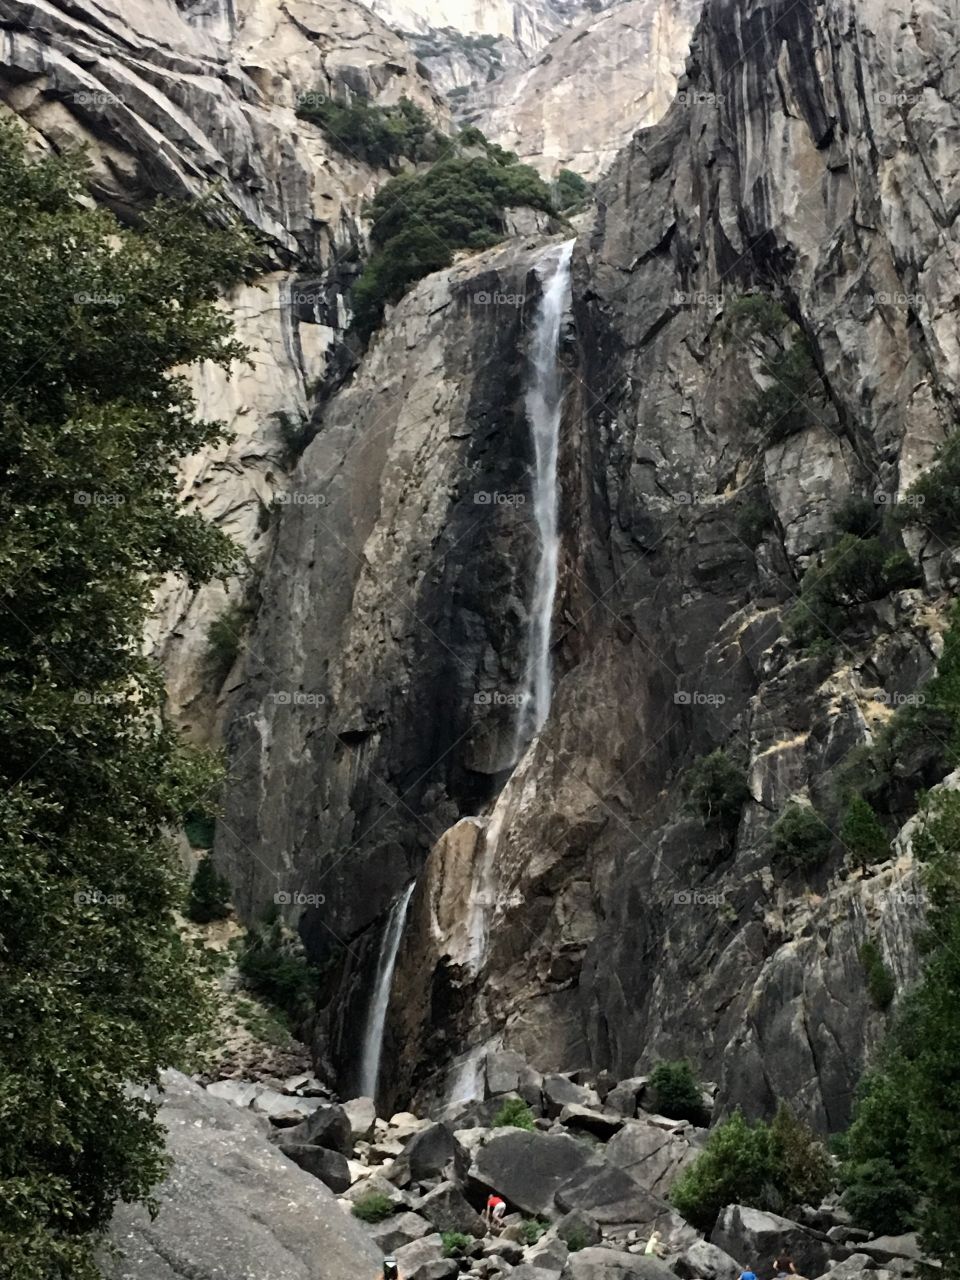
{"x": 861, "y": 832}
{"x": 677, "y": 1092}
{"x": 717, "y": 790}
{"x": 379, "y": 136}
{"x": 98, "y": 991}
{"x": 799, "y": 840}
{"x": 514, "y": 1114}
{"x": 421, "y": 219}
{"x": 209, "y": 897}
{"x": 771, "y": 1167}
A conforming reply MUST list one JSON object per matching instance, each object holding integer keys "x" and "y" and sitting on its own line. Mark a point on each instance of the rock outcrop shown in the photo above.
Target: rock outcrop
{"x": 232, "y": 1205}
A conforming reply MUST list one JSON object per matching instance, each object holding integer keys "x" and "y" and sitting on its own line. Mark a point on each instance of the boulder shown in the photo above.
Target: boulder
{"x": 886, "y": 1248}
{"x": 399, "y": 1230}
{"x": 329, "y": 1127}
{"x": 448, "y": 1210}
{"x": 651, "y": 1155}
{"x": 610, "y": 1264}
{"x": 376, "y": 1182}
{"x": 240, "y": 1093}
{"x": 509, "y": 1250}
{"x": 751, "y": 1234}
{"x": 579, "y": 1228}
{"x": 526, "y": 1168}
{"x": 611, "y": 1196}
{"x": 232, "y": 1205}
{"x": 548, "y": 1254}
{"x": 282, "y": 1110}
{"x": 704, "y": 1261}
{"x": 624, "y": 1098}
{"x": 362, "y": 1114}
{"x": 423, "y": 1260}
{"x": 502, "y": 1072}
{"x": 428, "y": 1154}
{"x": 559, "y": 1092}
{"x": 600, "y": 1123}
{"x": 404, "y": 1125}
{"x": 329, "y": 1166}
{"x": 306, "y": 1085}
{"x": 852, "y": 1267}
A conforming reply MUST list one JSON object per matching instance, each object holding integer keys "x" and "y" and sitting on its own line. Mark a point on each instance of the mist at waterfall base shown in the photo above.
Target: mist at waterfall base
{"x": 543, "y": 401}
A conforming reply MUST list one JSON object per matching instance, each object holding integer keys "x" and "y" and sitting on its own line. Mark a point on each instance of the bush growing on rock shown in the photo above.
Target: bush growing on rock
{"x": 717, "y": 790}
{"x": 209, "y": 897}
{"x": 861, "y": 833}
{"x": 99, "y": 992}
{"x": 514, "y": 1114}
{"x": 570, "y": 191}
{"x": 531, "y": 1229}
{"x": 735, "y": 1168}
{"x": 767, "y": 1167}
{"x": 455, "y": 1243}
{"x": 373, "y": 1207}
{"x": 934, "y": 499}
{"x": 380, "y": 136}
{"x": 420, "y": 220}
{"x": 677, "y": 1092}
{"x": 799, "y": 839}
{"x": 273, "y": 965}
{"x": 224, "y": 640}
{"x": 880, "y": 983}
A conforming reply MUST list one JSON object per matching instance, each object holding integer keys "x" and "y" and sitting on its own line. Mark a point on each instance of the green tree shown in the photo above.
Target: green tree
{"x": 799, "y": 839}
{"x": 862, "y": 834}
{"x": 716, "y": 790}
{"x": 209, "y": 897}
{"x": 273, "y": 964}
{"x": 736, "y": 1167}
{"x": 98, "y": 991}
{"x": 677, "y": 1092}
{"x": 570, "y": 191}
{"x": 803, "y": 1165}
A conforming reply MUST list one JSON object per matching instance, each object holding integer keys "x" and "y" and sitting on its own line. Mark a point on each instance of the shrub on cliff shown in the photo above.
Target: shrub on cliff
{"x": 98, "y": 991}
{"x": 799, "y": 839}
{"x": 861, "y": 833}
{"x": 421, "y": 219}
{"x": 677, "y": 1093}
{"x": 273, "y": 965}
{"x": 934, "y": 498}
{"x": 380, "y": 136}
{"x": 853, "y": 572}
{"x": 570, "y": 191}
{"x": 716, "y": 790}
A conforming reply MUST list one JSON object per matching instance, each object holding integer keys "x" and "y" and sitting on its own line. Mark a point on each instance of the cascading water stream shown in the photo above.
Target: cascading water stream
{"x": 380, "y": 1003}
{"x": 544, "y": 405}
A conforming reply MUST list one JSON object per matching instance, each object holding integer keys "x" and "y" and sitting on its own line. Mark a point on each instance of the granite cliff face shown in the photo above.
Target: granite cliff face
{"x": 808, "y": 157}
{"x": 171, "y": 99}
{"x": 566, "y": 904}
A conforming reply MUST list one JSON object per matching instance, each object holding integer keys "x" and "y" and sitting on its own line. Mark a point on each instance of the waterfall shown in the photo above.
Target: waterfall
{"x": 544, "y": 406}
{"x": 380, "y": 1003}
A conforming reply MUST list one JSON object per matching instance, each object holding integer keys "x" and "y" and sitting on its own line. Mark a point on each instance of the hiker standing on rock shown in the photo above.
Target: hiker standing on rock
{"x": 494, "y": 1213}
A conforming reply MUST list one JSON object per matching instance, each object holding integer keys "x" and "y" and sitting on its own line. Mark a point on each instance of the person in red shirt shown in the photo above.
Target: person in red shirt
{"x": 496, "y": 1208}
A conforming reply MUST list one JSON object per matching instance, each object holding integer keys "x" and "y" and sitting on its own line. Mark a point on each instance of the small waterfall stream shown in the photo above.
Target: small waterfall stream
{"x": 544, "y": 405}
{"x": 380, "y": 1002}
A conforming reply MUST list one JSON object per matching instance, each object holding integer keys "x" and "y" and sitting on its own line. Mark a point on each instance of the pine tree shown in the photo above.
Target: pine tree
{"x": 862, "y": 834}
{"x": 209, "y": 897}
{"x": 98, "y": 991}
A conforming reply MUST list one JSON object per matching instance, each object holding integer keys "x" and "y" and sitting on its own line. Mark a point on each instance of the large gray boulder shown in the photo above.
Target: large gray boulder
{"x": 751, "y": 1235}
{"x": 610, "y": 1264}
{"x": 448, "y": 1210}
{"x": 887, "y": 1248}
{"x": 601, "y": 1124}
{"x": 233, "y": 1206}
{"x": 611, "y": 1197}
{"x": 398, "y": 1230}
{"x": 428, "y": 1154}
{"x": 424, "y": 1260}
{"x": 362, "y": 1114}
{"x": 702, "y": 1260}
{"x": 624, "y": 1098}
{"x": 559, "y": 1092}
{"x": 503, "y": 1070}
{"x": 329, "y": 1127}
{"x": 579, "y": 1228}
{"x": 329, "y": 1166}
{"x": 527, "y": 1168}
{"x": 651, "y": 1155}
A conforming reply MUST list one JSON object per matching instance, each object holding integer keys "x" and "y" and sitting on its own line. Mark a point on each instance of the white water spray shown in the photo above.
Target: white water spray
{"x": 544, "y": 405}
{"x": 380, "y": 1004}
